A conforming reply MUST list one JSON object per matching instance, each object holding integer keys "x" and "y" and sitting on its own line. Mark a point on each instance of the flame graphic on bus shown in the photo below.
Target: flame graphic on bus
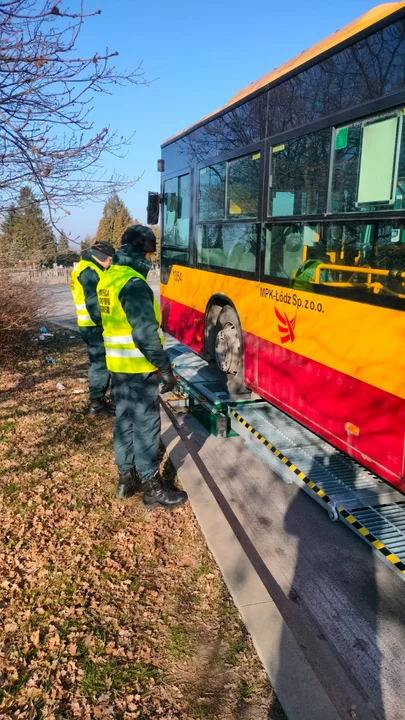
{"x": 286, "y": 326}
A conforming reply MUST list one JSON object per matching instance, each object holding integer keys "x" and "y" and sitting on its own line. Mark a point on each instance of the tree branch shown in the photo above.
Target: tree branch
{"x": 47, "y": 133}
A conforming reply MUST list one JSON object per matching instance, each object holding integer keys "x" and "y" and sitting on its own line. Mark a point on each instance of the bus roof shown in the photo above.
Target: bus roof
{"x": 365, "y": 21}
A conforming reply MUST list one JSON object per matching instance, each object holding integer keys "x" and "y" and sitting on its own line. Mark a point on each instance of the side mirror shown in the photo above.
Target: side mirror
{"x": 153, "y": 208}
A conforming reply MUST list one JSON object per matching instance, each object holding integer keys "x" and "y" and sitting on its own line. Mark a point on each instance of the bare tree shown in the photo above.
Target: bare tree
{"x": 47, "y": 136}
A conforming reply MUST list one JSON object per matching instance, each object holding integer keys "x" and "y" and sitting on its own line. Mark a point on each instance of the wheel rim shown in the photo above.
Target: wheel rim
{"x": 227, "y": 349}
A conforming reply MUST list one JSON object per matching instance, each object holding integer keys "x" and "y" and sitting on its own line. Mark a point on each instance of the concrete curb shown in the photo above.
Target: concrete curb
{"x": 297, "y": 687}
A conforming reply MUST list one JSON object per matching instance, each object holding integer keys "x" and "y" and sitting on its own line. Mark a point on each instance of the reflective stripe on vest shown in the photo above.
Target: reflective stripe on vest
{"x": 122, "y": 355}
{"x": 79, "y": 299}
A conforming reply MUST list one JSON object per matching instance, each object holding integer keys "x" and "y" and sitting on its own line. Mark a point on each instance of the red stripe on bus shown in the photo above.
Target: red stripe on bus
{"x": 325, "y": 400}
{"x": 184, "y": 323}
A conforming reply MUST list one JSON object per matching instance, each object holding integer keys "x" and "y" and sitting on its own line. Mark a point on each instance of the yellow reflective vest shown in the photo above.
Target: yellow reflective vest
{"x": 122, "y": 355}
{"x": 79, "y": 299}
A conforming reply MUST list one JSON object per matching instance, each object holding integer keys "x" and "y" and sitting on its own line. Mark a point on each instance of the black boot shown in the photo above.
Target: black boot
{"x": 157, "y": 494}
{"x": 129, "y": 483}
{"x": 100, "y": 406}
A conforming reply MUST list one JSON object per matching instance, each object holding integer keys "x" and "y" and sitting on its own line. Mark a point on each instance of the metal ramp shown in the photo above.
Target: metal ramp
{"x": 200, "y": 392}
{"x": 348, "y": 491}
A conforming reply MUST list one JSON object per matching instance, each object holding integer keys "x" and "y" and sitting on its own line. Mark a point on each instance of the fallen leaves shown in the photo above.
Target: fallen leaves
{"x": 105, "y": 611}
{"x": 11, "y": 627}
{"x": 34, "y": 637}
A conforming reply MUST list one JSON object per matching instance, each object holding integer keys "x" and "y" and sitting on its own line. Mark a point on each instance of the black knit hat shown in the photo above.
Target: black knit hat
{"x": 139, "y": 237}
{"x": 102, "y": 250}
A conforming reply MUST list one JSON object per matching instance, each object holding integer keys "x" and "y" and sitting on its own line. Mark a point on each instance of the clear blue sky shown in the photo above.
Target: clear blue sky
{"x": 201, "y": 54}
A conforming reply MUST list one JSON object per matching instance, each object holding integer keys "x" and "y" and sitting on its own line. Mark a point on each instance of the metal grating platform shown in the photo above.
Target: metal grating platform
{"x": 386, "y": 523}
{"x": 348, "y": 491}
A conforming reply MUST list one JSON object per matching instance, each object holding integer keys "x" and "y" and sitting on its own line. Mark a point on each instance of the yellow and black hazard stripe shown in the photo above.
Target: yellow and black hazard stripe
{"x": 375, "y": 542}
{"x": 350, "y": 519}
{"x": 313, "y": 486}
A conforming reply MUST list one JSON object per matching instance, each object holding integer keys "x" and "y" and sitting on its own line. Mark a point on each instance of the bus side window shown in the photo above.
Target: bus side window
{"x": 230, "y": 246}
{"x": 176, "y": 221}
{"x": 299, "y": 175}
{"x": 369, "y": 165}
{"x": 390, "y": 248}
{"x": 243, "y": 187}
{"x": 170, "y": 211}
{"x": 211, "y": 204}
{"x": 288, "y": 246}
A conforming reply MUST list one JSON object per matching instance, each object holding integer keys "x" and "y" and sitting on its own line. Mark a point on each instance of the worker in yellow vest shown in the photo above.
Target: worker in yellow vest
{"x": 134, "y": 353}
{"x": 84, "y": 280}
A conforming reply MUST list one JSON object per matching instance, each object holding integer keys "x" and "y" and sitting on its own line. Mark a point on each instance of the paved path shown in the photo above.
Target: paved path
{"x": 59, "y": 308}
{"x": 326, "y": 616}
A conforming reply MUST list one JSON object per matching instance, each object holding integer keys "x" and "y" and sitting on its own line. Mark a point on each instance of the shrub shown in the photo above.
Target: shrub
{"x": 19, "y": 311}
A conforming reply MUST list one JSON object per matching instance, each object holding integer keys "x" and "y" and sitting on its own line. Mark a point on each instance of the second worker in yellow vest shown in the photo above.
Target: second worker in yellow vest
{"x": 134, "y": 353}
{"x": 84, "y": 281}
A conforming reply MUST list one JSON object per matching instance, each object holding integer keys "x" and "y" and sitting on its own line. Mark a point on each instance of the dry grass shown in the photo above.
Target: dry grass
{"x": 106, "y": 611}
{"x": 19, "y": 307}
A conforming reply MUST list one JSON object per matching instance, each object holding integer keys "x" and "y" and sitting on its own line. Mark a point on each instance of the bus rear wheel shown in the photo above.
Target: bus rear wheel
{"x": 228, "y": 350}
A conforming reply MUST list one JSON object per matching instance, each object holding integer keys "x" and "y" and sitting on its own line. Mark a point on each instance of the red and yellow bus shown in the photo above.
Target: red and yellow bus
{"x": 283, "y": 239}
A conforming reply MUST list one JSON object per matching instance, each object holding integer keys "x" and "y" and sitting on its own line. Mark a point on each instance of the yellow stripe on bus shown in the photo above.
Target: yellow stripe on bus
{"x": 324, "y": 325}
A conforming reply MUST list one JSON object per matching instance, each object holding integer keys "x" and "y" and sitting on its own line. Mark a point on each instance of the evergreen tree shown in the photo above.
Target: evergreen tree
{"x": 65, "y": 256}
{"x": 86, "y": 243}
{"x": 156, "y": 255}
{"x": 112, "y": 209}
{"x": 8, "y": 230}
{"x": 122, "y": 221}
{"x": 103, "y": 230}
{"x": 26, "y": 236}
{"x": 35, "y": 239}
{"x": 63, "y": 244}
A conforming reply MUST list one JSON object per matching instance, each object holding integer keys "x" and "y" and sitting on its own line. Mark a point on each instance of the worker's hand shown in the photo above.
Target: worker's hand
{"x": 169, "y": 381}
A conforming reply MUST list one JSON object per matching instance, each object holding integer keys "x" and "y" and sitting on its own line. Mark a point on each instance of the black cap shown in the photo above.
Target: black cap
{"x": 102, "y": 250}
{"x": 140, "y": 237}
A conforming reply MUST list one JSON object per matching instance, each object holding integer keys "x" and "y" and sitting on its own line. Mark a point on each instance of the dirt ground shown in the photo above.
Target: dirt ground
{"x": 106, "y": 610}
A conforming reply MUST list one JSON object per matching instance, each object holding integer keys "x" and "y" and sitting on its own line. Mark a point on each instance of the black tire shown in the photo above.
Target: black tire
{"x": 228, "y": 351}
